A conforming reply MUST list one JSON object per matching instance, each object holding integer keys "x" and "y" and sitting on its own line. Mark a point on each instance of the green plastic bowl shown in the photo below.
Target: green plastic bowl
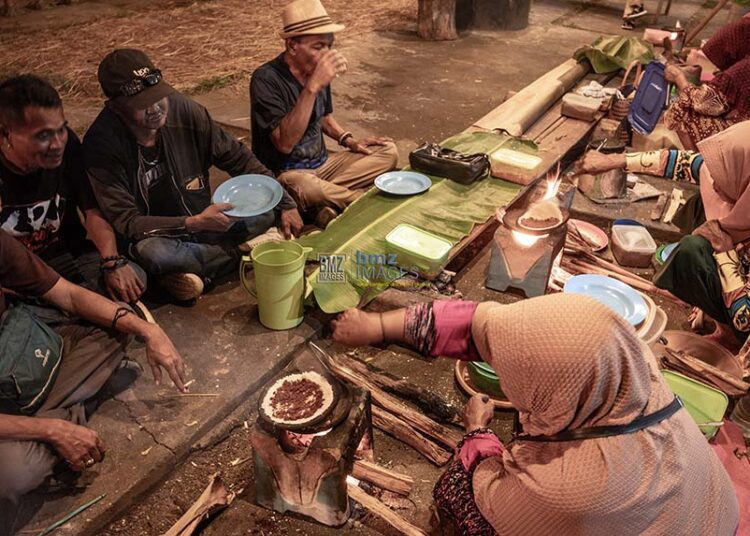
{"x": 703, "y": 402}
{"x": 485, "y": 379}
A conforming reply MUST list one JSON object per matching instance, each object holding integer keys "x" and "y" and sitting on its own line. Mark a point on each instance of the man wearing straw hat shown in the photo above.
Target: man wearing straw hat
{"x": 148, "y": 156}
{"x": 291, "y": 110}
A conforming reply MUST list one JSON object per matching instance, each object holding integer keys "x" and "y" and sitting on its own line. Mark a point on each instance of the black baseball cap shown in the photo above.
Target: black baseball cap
{"x": 127, "y": 75}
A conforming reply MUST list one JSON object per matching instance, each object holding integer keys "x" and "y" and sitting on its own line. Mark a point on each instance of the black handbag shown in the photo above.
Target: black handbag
{"x": 432, "y": 159}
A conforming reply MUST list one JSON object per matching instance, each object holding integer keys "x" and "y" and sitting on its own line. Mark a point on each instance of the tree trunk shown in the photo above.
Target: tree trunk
{"x": 436, "y": 20}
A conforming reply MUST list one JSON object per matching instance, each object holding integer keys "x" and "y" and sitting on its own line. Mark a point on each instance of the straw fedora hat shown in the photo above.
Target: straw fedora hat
{"x": 307, "y": 17}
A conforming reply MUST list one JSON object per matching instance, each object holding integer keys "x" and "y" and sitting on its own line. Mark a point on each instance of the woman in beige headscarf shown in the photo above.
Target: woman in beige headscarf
{"x": 568, "y": 364}
{"x": 709, "y": 269}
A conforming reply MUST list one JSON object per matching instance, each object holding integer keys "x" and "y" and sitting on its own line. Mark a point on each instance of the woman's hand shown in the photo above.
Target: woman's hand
{"x": 676, "y": 76}
{"x": 720, "y": 240}
{"x": 594, "y": 162}
{"x": 478, "y": 412}
{"x": 357, "y": 328}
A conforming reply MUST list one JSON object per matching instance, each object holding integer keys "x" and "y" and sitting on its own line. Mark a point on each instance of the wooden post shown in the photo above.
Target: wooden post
{"x": 436, "y": 20}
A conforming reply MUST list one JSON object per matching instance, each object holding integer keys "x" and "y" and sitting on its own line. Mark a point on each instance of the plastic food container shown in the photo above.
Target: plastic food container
{"x": 416, "y": 248}
{"x": 632, "y": 245}
{"x": 484, "y": 378}
{"x": 704, "y": 403}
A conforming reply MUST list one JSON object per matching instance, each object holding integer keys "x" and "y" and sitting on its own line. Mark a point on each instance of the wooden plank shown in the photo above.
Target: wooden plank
{"x": 557, "y": 136}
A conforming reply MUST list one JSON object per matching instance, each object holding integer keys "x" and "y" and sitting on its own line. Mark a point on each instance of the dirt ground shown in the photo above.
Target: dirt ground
{"x": 398, "y": 85}
{"x": 203, "y": 45}
{"x": 165, "y": 505}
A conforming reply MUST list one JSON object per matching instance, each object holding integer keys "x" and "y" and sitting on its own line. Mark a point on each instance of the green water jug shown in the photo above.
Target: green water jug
{"x": 279, "y": 269}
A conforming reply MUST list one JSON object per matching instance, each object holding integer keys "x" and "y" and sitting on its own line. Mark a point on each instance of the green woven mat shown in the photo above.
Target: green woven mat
{"x": 447, "y": 209}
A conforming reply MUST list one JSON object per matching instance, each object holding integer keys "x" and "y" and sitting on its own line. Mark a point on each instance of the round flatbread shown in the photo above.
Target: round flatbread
{"x": 541, "y": 216}
{"x": 298, "y": 399}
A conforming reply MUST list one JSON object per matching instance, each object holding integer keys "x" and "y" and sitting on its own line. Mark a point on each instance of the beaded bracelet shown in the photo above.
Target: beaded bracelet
{"x": 118, "y": 260}
{"x": 478, "y": 431}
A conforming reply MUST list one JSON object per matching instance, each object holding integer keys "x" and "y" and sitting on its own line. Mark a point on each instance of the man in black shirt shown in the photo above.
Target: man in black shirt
{"x": 291, "y": 108}
{"x": 148, "y": 155}
{"x": 44, "y": 193}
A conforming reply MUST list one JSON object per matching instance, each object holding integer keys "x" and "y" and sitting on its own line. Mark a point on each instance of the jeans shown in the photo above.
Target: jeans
{"x": 208, "y": 255}
{"x": 84, "y": 270}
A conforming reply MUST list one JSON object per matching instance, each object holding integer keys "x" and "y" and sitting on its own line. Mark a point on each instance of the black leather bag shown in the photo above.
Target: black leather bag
{"x": 432, "y": 159}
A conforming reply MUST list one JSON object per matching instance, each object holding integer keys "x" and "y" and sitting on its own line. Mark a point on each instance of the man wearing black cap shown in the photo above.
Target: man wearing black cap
{"x": 148, "y": 155}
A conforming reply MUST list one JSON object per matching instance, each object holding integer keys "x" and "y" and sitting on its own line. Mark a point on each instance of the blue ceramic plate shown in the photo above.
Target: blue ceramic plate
{"x": 250, "y": 194}
{"x": 403, "y": 182}
{"x": 618, "y": 296}
{"x": 667, "y": 251}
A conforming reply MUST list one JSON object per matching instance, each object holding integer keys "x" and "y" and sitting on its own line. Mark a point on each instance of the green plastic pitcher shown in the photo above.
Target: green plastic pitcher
{"x": 279, "y": 269}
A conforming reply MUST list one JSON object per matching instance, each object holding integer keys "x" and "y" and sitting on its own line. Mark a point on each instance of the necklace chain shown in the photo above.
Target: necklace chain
{"x": 146, "y": 160}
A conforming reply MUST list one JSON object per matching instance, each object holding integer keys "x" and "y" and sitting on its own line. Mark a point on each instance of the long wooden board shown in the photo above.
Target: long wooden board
{"x": 560, "y": 139}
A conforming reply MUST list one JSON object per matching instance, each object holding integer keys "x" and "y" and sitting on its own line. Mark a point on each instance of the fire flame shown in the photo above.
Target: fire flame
{"x": 675, "y": 35}
{"x": 524, "y": 239}
{"x": 553, "y": 183}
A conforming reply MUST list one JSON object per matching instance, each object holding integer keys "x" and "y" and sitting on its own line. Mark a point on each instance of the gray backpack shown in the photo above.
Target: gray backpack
{"x": 30, "y": 354}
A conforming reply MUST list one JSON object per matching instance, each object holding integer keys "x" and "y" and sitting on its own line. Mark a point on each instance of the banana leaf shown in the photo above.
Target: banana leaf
{"x": 612, "y": 53}
{"x": 448, "y": 209}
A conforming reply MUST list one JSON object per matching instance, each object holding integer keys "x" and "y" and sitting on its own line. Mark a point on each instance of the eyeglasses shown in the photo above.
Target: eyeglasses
{"x": 140, "y": 83}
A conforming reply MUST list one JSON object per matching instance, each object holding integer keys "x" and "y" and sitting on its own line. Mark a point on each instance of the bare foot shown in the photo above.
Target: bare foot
{"x": 725, "y": 337}
{"x": 357, "y": 328}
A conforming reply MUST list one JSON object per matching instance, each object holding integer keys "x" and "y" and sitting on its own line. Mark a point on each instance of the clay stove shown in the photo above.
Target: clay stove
{"x": 305, "y": 470}
{"x": 522, "y": 258}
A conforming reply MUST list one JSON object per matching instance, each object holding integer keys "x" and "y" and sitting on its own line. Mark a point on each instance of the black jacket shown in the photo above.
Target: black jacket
{"x": 192, "y": 142}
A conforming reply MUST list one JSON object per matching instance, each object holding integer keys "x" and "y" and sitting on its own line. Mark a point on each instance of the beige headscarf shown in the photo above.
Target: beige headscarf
{"x": 725, "y": 189}
{"x": 566, "y": 362}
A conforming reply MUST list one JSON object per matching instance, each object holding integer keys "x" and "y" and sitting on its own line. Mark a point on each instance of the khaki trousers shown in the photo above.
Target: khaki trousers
{"x": 90, "y": 357}
{"x": 341, "y": 179}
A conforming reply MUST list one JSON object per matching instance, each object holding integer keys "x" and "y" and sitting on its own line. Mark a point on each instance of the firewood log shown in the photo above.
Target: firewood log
{"x": 402, "y": 431}
{"x": 371, "y": 504}
{"x": 424, "y": 424}
{"x": 428, "y": 402}
{"x": 383, "y": 477}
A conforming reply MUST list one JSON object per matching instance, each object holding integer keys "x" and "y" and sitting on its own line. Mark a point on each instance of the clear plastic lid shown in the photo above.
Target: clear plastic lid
{"x": 419, "y": 242}
{"x": 633, "y": 238}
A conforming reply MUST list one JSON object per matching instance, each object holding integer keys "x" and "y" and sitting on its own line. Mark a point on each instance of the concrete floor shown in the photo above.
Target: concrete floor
{"x": 399, "y": 86}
